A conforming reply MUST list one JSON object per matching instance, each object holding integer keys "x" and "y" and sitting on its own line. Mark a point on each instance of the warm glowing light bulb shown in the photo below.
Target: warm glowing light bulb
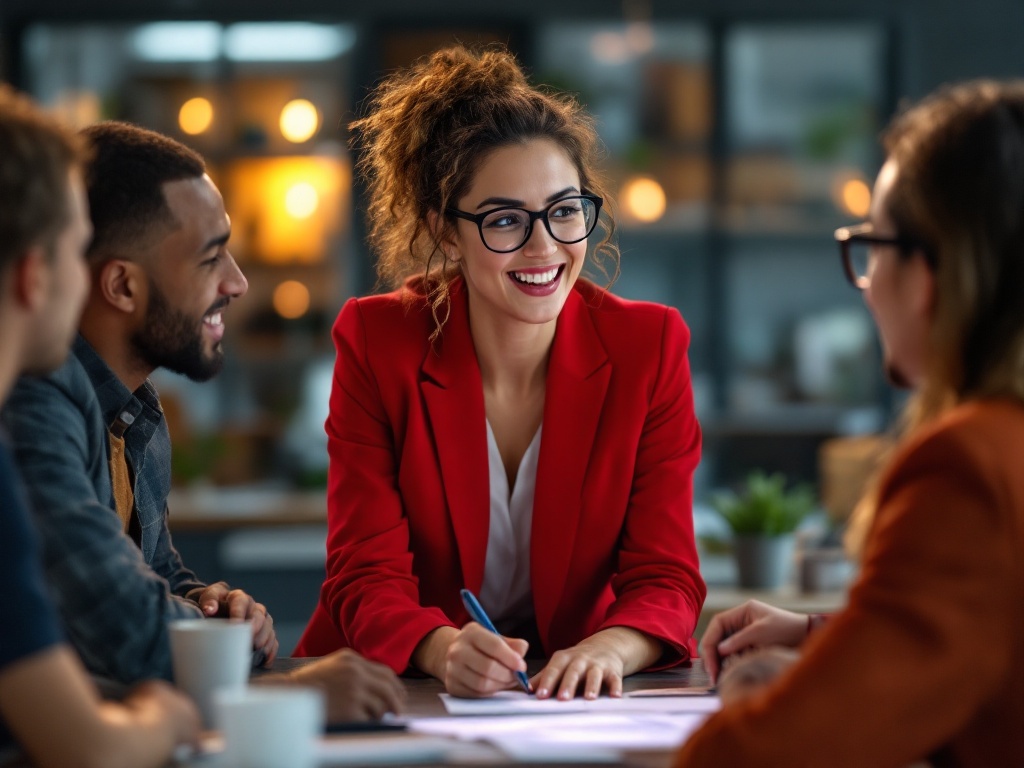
{"x": 644, "y": 199}
{"x": 291, "y": 299}
{"x": 195, "y": 115}
{"x": 299, "y": 120}
{"x": 856, "y": 198}
{"x": 301, "y": 200}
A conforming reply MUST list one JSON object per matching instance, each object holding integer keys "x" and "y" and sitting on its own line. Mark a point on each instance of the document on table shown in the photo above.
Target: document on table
{"x": 520, "y": 703}
{"x": 570, "y": 737}
{"x": 660, "y": 692}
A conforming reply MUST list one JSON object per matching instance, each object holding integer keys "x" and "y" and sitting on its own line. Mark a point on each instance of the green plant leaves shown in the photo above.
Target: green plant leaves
{"x": 765, "y": 507}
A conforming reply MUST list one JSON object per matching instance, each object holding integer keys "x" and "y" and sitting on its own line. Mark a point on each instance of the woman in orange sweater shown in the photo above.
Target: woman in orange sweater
{"x": 927, "y": 660}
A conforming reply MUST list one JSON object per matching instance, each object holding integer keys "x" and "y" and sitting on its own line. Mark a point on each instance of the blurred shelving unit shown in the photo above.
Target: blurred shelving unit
{"x": 738, "y": 136}
{"x": 265, "y": 104}
{"x": 734, "y": 148}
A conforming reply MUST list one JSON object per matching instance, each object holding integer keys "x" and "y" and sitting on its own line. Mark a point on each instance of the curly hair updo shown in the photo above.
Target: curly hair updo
{"x": 426, "y": 130}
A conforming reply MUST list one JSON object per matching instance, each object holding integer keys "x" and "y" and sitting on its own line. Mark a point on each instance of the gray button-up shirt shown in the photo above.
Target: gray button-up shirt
{"x": 114, "y": 597}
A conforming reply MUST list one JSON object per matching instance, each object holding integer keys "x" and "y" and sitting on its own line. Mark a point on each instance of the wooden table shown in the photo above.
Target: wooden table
{"x": 423, "y": 701}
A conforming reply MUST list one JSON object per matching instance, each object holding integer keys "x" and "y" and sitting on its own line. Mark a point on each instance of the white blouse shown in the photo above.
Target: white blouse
{"x": 506, "y": 593}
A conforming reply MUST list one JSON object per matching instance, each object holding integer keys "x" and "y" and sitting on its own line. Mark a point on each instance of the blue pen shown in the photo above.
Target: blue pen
{"x": 476, "y": 612}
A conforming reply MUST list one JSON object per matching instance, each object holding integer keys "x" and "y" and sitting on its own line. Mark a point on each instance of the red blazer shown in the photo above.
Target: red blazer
{"x": 408, "y": 497}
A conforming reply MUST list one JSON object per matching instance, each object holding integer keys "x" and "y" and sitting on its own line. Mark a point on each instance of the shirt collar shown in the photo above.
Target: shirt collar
{"x": 120, "y": 406}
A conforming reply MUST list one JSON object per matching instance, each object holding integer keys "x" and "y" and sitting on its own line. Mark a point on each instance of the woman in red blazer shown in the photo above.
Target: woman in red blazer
{"x": 500, "y": 424}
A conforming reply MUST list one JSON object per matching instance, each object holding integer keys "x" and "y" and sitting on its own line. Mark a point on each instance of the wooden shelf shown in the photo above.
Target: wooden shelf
{"x": 214, "y": 509}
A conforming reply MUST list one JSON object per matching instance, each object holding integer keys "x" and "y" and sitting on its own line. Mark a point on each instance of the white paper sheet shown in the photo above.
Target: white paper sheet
{"x": 572, "y": 737}
{"x": 612, "y": 731}
{"x": 521, "y": 703}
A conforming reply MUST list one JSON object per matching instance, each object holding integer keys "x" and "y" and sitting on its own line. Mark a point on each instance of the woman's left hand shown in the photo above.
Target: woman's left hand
{"x": 602, "y": 660}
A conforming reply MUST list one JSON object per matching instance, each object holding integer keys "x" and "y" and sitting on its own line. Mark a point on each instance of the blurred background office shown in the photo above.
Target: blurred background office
{"x": 740, "y": 134}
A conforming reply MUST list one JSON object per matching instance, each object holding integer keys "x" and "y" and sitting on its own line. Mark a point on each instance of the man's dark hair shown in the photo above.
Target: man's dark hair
{"x": 36, "y": 156}
{"x": 125, "y": 182}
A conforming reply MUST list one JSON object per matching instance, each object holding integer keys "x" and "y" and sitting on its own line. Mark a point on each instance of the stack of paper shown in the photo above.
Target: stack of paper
{"x": 529, "y": 729}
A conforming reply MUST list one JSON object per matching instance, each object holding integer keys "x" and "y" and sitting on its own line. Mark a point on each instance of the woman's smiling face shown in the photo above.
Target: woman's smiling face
{"x": 530, "y": 284}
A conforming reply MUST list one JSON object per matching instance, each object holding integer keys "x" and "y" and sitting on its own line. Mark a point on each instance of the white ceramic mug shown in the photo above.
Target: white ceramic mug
{"x": 209, "y": 655}
{"x": 270, "y": 726}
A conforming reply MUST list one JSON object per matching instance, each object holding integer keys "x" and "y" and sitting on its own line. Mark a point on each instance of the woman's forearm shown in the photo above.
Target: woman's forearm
{"x": 637, "y": 650}
{"x": 430, "y": 654}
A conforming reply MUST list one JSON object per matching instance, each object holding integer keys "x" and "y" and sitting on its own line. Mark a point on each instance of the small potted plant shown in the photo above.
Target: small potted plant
{"x": 764, "y": 517}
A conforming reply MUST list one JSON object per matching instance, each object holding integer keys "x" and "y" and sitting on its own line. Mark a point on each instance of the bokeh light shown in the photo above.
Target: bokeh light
{"x": 291, "y": 299}
{"x": 195, "y": 116}
{"x": 856, "y": 198}
{"x": 299, "y": 120}
{"x": 643, "y": 199}
{"x": 609, "y": 48}
{"x": 301, "y": 200}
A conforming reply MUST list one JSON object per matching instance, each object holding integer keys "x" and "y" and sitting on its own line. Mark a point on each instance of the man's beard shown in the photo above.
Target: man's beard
{"x": 171, "y": 339}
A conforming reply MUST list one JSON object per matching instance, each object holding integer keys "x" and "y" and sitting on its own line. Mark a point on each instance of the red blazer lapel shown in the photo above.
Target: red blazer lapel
{"x": 453, "y": 393}
{"x": 578, "y": 376}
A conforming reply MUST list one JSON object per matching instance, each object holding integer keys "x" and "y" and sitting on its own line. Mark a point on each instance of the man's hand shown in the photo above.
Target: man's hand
{"x": 356, "y": 688}
{"x": 220, "y": 600}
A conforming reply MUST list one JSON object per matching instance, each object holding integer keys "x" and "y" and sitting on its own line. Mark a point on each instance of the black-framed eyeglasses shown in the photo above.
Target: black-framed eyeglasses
{"x": 568, "y": 220}
{"x": 858, "y": 250}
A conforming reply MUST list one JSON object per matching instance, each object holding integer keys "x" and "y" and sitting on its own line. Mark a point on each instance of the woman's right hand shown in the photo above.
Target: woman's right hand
{"x": 751, "y": 625}
{"x": 472, "y": 662}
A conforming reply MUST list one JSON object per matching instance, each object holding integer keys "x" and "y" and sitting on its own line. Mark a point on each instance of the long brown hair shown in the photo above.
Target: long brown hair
{"x": 960, "y": 191}
{"x": 426, "y": 131}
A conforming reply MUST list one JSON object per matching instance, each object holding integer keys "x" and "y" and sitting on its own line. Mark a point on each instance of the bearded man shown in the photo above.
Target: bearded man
{"x": 91, "y": 440}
